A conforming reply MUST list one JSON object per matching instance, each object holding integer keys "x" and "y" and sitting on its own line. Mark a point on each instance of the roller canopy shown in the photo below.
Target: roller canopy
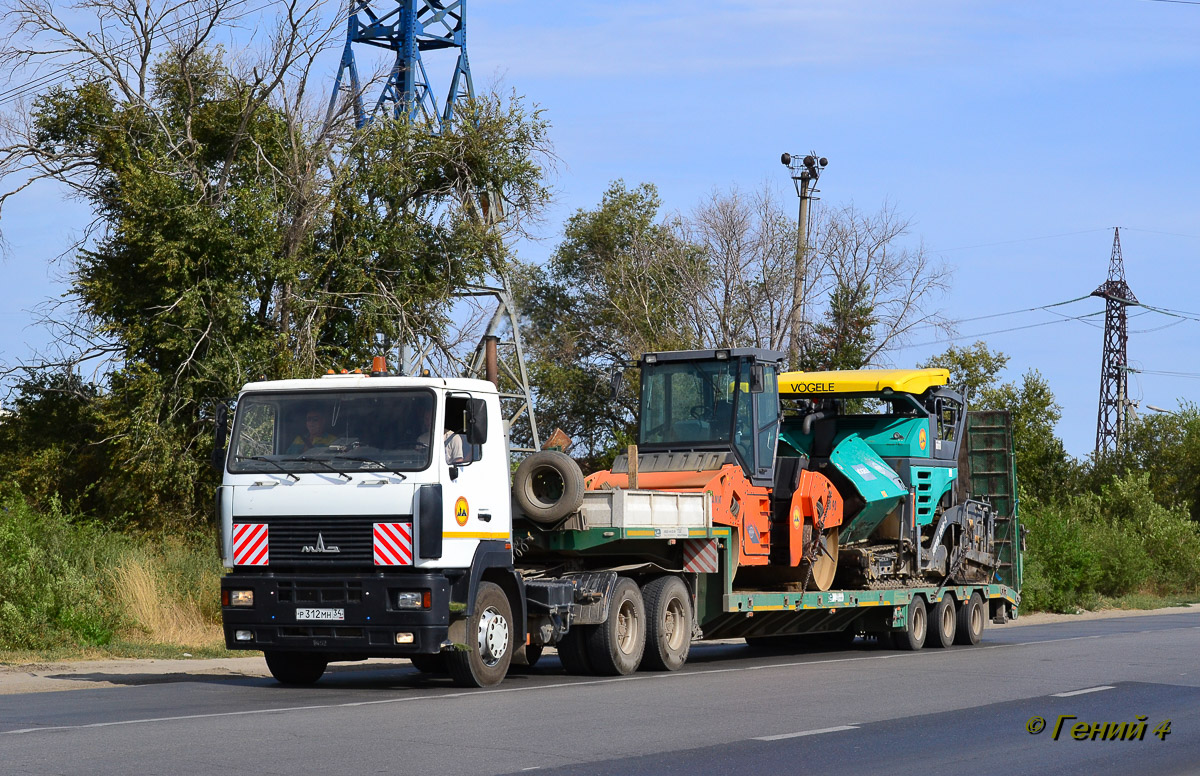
{"x": 861, "y": 381}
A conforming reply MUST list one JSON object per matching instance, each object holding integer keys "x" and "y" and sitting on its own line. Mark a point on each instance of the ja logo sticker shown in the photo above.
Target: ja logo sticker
{"x": 461, "y": 512}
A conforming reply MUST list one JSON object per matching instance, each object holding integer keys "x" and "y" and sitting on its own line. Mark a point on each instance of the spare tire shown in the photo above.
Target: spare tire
{"x": 548, "y": 486}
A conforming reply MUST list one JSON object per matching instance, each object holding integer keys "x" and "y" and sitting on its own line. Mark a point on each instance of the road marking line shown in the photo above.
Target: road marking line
{"x": 802, "y": 733}
{"x": 1082, "y": 692}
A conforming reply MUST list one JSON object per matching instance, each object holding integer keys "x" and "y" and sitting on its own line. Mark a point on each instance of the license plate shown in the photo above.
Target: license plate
{"x": 321, "y": 614}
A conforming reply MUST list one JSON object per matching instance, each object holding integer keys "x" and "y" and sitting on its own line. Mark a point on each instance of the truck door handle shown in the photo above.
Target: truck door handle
{"x": 485, "y": 517}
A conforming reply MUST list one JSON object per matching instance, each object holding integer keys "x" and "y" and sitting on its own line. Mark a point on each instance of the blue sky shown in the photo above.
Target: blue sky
{"x": 988, "y": 124}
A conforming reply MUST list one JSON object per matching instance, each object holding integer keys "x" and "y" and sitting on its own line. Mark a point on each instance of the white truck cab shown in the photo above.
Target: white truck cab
{"x": 368, "y": 515}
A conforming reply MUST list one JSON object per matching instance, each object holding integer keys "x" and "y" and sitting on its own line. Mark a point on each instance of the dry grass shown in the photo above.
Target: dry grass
{"x": 157, "y": 614}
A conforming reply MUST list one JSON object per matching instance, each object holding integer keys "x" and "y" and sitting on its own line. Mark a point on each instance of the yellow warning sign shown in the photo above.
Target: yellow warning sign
{"x": 461, "y": 511}
{"x": 921, "y": 439}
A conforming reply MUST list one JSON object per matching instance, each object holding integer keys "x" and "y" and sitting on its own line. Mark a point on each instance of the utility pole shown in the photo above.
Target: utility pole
{"x": 805, "y": 172}
{"x": 1112, "y": 421}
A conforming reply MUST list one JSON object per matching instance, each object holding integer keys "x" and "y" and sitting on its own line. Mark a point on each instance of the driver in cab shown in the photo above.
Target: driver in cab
{"x": 316, "y": 433}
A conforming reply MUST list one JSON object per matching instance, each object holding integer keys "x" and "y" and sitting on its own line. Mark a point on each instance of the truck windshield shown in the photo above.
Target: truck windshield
{"x": 358, "y": 430}
{"x": 688, "y": 403}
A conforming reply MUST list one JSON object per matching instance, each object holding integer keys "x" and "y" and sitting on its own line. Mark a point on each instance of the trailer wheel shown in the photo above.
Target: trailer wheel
{"x": 942, "y": 623}
{"x": 485, "y": 660}
{"x": 970, "y": 621}
{"x": 668, "y": 624}
{"x": 912, "y": 637}
{"x": 430, "y": 664}
{"x": 294, "y": 668}
{"x": 615, "y": 646}
{"x": 548, "y": 486}
{"x": 572, "y": 650}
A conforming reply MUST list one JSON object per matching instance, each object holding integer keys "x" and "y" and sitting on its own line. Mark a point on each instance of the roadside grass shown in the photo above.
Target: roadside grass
{"x": 1145, "y": 601}
{"x": 72, "y": 589}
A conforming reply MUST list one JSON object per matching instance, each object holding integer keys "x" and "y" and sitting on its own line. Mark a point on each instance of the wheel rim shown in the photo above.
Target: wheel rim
{"x": 673, "y": 626}
{"x": 824, "y": 562}
{"x": 546, "y": 485}
{"x": 976, "y": 619}
{"x": 493, "y": 636}
{"x": 947, "y": 620}
{"x": 918, "y": 624}
{"x": 628, "y": 627}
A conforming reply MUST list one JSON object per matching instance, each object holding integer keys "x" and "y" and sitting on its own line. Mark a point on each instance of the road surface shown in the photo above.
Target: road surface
{"x": 963, "y": 711}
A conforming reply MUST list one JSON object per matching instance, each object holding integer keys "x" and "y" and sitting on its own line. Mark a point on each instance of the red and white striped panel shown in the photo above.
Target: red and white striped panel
{"x": 700, "y": 556}
{"x": 393, "y": 544}
{"x": 249, "y": 544}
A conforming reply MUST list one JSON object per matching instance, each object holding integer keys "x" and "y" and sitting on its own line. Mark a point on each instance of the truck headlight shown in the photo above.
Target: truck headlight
{"x": 241, "y": 598}
{"x": 409, "y": 599}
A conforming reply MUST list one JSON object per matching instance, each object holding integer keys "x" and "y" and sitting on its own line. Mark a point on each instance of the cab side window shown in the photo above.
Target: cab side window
{"x": 458, "y": 450}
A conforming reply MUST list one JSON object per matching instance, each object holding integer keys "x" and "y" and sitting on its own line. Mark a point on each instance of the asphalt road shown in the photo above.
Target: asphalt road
{"x": 863, "y": 710}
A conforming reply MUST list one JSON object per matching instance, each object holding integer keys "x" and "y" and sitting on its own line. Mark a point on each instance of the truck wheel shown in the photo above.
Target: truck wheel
{"x": 616, "y": 645}
{"x": 572, "y": 650}
{"x": 912, "y": 637}
{"x": 942, "y": 623}
{"x": 668, "y": 624}
{"x": 970, "y": 621}
{"x": 484, "y": 662}
{"x": 294, "y": 668}
{"x": 548, "y": 486}
{"x": 430, "y": 664}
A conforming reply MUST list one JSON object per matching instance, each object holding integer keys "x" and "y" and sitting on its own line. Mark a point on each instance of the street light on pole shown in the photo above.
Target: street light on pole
{"x": 805, "y": 172}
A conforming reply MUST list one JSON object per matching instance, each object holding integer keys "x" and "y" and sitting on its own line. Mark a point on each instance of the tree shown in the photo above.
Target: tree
{"x": 238, "y": 236}
{"x": 974, "y": 368}
{"x": 1167, "y": 448}
{"x": 610, "y": 292}
{"x": 844, "y": 339}
{"x": 860, "y": 256}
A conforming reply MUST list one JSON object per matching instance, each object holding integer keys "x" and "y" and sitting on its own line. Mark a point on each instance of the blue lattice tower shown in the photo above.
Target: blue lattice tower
{"x": 1113, "y": 417}
{"x": 408, "y": 28}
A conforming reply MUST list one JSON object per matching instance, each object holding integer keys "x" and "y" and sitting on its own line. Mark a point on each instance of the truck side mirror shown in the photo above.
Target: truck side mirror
{"x": 477, "y": 421}
{"x": 758, "y": 380}
{"x": 220, "y": 434}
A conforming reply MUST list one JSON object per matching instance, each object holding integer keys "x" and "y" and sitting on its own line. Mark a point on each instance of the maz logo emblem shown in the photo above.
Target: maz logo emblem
{"x": 320, "y": 546}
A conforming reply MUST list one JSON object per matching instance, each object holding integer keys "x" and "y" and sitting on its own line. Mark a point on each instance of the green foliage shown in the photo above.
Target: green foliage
{"x": 609, "y": 293}
{"x": 845, "y": 339}
{"x": 52, "y": 579}
{"x": 1112, "y": 543}
{"x": 975, "y": 368}
{"x": 1167, "y": 447}
{"x": 1060, "y": 565}
{"x": 60, "y": 586}
{"x": 237, "y": 242}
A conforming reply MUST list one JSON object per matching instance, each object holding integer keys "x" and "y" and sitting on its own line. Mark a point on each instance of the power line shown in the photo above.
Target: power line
{"x": 1001, "y": 331}
{"x": 1157, "y": 231}
{"x": 1188, "y": 375}
{"x": 1004, "y": 314}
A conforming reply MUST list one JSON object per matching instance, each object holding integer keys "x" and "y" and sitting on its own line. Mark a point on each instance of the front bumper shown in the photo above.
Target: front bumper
{"x": 371, "y": 618}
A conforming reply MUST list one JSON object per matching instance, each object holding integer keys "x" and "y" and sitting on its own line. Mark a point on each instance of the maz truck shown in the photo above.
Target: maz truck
{"x": 375, "y": 515}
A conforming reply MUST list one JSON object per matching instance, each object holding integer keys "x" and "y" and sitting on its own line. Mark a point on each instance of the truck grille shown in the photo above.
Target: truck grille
{"x": 289, "y": 535}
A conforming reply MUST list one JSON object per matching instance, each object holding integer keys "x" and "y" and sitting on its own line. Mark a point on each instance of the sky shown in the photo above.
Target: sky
{"x": 1014, "y": 135}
